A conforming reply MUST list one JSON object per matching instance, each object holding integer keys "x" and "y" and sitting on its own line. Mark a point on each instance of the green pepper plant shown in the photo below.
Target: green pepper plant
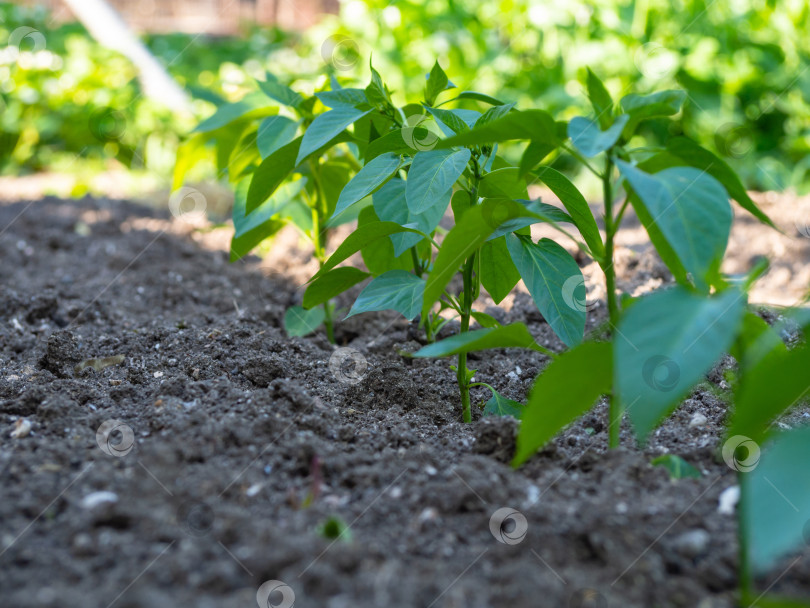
{"x": 411, "y": 177}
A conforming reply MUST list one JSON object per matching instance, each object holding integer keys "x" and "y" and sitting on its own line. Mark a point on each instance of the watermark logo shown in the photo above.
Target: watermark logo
{"x": 348, "y": 365}
{"x": 508, "y": 526}
{"x": 741, "y": 453}
{"x": 33, "y": 36}
{"x": 587, "y": 598}
{"x": 115, "y": 438}
{"x": 734, "y": 140}
{"x": 341, "y": 52}
{"x": 655, "y": 61}
{"x": 575, "y": 294}
{"x": 661, "y": 373}
{"x": 416, "y": 135}
{"x": 275, "y": 594}
{"x": 188, "y": 205}
{"x": 196, "y": 518}
{"x": 108, "y": 124}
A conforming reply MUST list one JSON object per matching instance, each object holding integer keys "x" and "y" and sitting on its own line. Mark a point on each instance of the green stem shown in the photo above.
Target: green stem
{"x": 320, "y": 235}
{"x": 745, "y": 564}
{"x": 471, "y": 288}
{"x": 615, "y": 410}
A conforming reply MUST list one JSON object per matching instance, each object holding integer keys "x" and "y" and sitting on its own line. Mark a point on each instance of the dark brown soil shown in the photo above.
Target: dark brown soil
{"x": 248, "y": 444}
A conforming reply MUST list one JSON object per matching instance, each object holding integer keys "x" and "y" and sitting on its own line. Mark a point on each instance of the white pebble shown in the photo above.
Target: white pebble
{"x": 95, "y": 499}
{"x": 698, "y": 419}
{"x": 728, "y": 500}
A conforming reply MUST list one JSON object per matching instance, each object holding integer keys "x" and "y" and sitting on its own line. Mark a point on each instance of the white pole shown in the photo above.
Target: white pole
{"x": 110, "y": 30}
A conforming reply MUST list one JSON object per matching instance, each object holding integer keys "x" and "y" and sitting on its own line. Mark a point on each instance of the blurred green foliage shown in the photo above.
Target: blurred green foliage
{"x": 744, "y": 64}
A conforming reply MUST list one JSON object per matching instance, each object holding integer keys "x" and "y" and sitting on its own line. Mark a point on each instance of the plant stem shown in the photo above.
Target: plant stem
{"x": 615, "y": 410}
{"x": 320, "y": 235}
{"x": 466, "y": 310}
{"x": 471, "y": 287}
{"x": 745, "y": 564}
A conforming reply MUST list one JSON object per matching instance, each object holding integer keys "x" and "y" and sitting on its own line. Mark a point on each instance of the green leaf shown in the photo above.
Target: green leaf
{"x": 344, "y": 98}
{"x": 643, "y": 107}
{"x": 282, "y": 94}
{"x": 494, "y": 114}
{"x": 450, "y": 119}
{"x": 432, "y": 174}
{"x": 535, "y": 125}
{"x": 251, "y": 229}
{"x": 498, "y": 273}
{"x": 378, "y": 255}
{"x": 474, "y": 95}
{"x": 600, "y": 100}
{"x": 700, "y": 158}
{"x": 498, "y": 405}
{"x": 778, "y": 382}
{"x": 331, "y": 284}
{"x": 589, "y": 139}
{"x": 299, "y": 321}
{"x": 390, "y": 142}
{"x": 469, "y": 233}
{"x": 390, "y": 206}
{"x": 665, "y": 344}
{"x": 562, "y": 393}
{"x": 363, "y": 236}
{"x": 251, "y": 105}
{"x": 326, "y": 126}
{"x": 551, "y": 275}
{"x": 503, "y": 183}
{"x": 394, "y": 290}
{"x": 533, "y": 155}
{"x": 775, "y": 499}
{"x": 677, "y": 467}
{"x": 436, "y": 83}
{"x": 271, "y": 173}
{"x": 367, "y": 180}
{"x": 576, "y": 205}
{"x": 275, "y": 132}
{"x": 691, "y": 210}
{"x": 514, "y": 335}
{"x": 485, "y": 320}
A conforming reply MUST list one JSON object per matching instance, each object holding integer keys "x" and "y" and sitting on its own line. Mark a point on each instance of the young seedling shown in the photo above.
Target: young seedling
{"x": 287, "y": 156}
{"x": 410, "y": 174}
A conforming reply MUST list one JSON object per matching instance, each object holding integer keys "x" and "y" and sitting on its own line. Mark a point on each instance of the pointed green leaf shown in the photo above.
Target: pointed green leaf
{"x": 251, "y": 229}
{"x": 643, "y": 107}
{"x": 275, "y": 132}
{"x": 515, "y": 335}
{"x": 394, "y": 290}
{"x": 474, "y": 95}
{"x": 299, "y": 321}
{"x": 450, "y": 119}
{"x": 600, "y": 100}
{"x": 498, "y": 273}
{"x": 271, "y": 172}
{"x": 367, "y": 180}
{"x": 551, "y": 275}
{"x": 432, "y": 174}
{"x": 562, "y": 393}
{"x": 778, "y": 382}
{"x": 498, "y": 405}
{"x": 775, "y": 498}
{"x": 252, "y": 105}
{"x": 700, "y": 158}
{"x": 503, "y": 183}
{"x": 436, "y": 83}
{"x": 692, "y": 211}
{"x": 576, "y": 205}
{"x": 589, "y": 139}
{"x": 325, "y": 127}
{"x": 533, "y": 155}
{"x": 343, "y": 98}
{"x": 665, "y": 344}
{"x": 331, "y": 284}
{"x": 282, "y": 94}
{"x": 535, "y": 125}
{"x": 391, "y": 142}
{"x": 494, "y": 114}
{"x": 363, "y": 236}
{"x": 676, "y": 466}
{"x": 378, "y": 255}
{"x": 390, "y": 206}
{"x": 469, "y": 233}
